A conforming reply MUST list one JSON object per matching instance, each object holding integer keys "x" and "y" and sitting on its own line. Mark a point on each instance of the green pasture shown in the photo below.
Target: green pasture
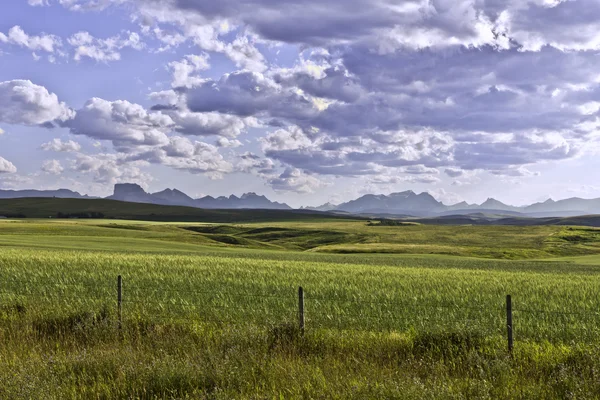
{"x": 210, "y": 310}
{"x": 317, "y": 235}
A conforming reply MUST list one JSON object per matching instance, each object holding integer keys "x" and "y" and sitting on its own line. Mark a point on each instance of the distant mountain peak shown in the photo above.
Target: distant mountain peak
{"x": 131, "y": 192}
{"x": 170, "y": 191}
{"x": 406, "y": 203}
{"x": 491, "y": 200}
{"x": 128, "y": 188}
{"x": 60, "y": 193}
{"x": 250, "y": 195}
{"x": 324, "y": 207}
{"x": 173, "y": 197}
{"x": 405, "y": 193}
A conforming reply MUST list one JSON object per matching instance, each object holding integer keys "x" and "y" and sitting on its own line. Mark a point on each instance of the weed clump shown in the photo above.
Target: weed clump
{"x": 9, "y": 310}
{"x": 286, "y": 336}
{"x": 75, "y": 323}
{"x": 447, "y": 344}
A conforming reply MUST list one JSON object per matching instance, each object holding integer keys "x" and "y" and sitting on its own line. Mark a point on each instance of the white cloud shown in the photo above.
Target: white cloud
{"x": 294, "y": 180}
{"x": 59, "y": 146}
{"x": 448, "y": 198}
{"x": 242, "y": 50}
{"x": 184, "y": 70}
{"x": 224, "y": 142}
{"x": 108, "y": 169}
{"x": 394, "y": 179}
{"x": 453, "y": 172}
{"x": 289, "y": 180}
{"x": 103, "y": 50}
{"x": 169, "y": 39}
{"x": 254, "y": 164}
{"x": 208, "y": 124}
{"x": 292, "y": 138}
{"x": 245, "y": 55}
{"x": 15, "y": 181}
{"x": 89, "y": 5}
{"x": 23, "y": 102}
{"x": 182, "y": 154}
{"x": 6, "y": 166}
{"x": 17, "y": 36}
{"x": 122, "y": 122}
{"x": 52, "y": 167}
{"x": 200, "y": 123}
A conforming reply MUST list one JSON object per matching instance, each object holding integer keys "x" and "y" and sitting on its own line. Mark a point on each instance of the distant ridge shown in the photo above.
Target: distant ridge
{"x": 173, "y": 197}
{"x": 60, "y": 193}
{"x": 407, "y": 202}
{"x": 324, "y": 207}
{"x": 400, "y": 204}
{"x": 104, "y": 208}
{"x": 247, "y": 200}
{"x": 133, "y": 193}
{"x": 424, "y": 205}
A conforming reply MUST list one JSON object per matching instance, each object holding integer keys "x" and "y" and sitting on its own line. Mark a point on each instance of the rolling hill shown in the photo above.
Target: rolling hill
{"x": 50, "y": 207}
{"x": 103, "y": 208}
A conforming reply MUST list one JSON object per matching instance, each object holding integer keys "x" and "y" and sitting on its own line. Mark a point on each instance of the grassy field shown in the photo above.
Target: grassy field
{"x": 210, "y": 310}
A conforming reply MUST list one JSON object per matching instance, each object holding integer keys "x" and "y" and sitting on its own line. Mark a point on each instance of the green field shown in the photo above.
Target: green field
{"x": 210, "y": 310}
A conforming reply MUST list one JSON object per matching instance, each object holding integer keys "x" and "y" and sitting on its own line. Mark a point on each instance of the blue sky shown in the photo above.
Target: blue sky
{"x": 303, "y": 102}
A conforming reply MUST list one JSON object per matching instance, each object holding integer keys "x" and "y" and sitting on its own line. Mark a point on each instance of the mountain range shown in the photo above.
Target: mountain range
{"x": 407, "y": 203}
{"x": 425, "y": 205}
{"x": 173, "y": 197}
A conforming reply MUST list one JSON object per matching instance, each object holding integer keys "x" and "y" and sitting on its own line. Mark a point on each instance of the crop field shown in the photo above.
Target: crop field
{"x": 211, "y": 310}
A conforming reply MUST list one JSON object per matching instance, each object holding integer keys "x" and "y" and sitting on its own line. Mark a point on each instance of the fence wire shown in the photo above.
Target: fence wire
{"x": 346, "y": 311}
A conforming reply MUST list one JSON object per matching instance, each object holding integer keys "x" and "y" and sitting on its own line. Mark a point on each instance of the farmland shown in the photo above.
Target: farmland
{"x": 210, "y": 310}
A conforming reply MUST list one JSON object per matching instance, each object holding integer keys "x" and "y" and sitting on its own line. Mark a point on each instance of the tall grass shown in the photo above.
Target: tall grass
{"x": 222, "y": 323}
{"x": 548, "y": 305}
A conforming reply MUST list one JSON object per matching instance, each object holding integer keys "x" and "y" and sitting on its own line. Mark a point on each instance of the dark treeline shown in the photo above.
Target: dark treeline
{"x": 12, "y": 215}
{"x": 89, "y": 215}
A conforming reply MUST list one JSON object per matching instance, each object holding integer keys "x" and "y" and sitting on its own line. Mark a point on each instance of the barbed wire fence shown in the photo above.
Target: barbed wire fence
{"x": 298, "y": 307}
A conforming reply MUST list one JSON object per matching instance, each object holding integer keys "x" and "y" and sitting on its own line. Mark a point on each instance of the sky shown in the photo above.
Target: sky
{"x": 303, "y": 101}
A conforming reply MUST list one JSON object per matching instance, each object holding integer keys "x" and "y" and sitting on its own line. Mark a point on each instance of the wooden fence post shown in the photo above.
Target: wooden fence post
{"x": 509, "y": 322}
{"x": 301, "y": 309}
{"x": 120, "y": 300}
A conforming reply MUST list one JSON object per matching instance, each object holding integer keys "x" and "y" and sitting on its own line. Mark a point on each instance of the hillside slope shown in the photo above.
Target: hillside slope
{"x": 50, "y": 207}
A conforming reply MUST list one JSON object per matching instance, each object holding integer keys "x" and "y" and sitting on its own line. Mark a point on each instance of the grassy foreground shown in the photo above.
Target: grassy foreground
{"x": 206, "y": 318}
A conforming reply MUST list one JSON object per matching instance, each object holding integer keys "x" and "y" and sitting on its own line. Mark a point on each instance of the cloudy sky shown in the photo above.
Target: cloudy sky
{"x": 304, "y": 101}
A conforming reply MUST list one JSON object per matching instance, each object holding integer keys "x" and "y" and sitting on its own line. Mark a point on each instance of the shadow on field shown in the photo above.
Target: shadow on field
{"x": 284, "y": 337}
{"x": 447, "y": 344}
{"x": 11, "y": 310}
{"x": 75, "y": 324}
{"x": 290, "y": 238}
